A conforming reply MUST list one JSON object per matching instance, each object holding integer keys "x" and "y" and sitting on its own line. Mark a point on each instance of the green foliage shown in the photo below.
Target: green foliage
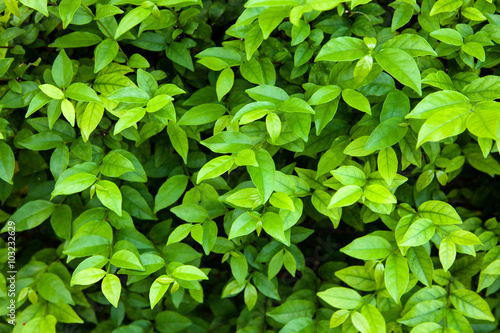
{"x": 250, "y": 166}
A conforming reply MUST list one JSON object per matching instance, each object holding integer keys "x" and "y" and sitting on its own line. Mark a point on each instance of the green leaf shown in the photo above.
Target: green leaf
{"x": 62, "y": 69}
{"x": 440, "y": 101}
{"x": 225, "y": 82}
{"x": 379, "y": 194}
{"x": 170, "y": 191}
{"x": 239, "y": 267}
{"x": 474, "y": 49}
{"x": 259, "y": 72}
{"x": 7, "y": 162}
{"x": 426, "y": 311}
{"x": 74, "y": 184}
{"x": 42, "y": 141}
{"x": 273, "y": 225}
{"x": 228, "y": 142}
{"x": 368, "y": 248}
{"x": 158, "y": 289}
{"x": 190, "y": 212}
{"x": 447, "y": 253}
{"x": 282, "y": 200}
{"x": 82, "y": 93}
{"x": 292, "y": 309}
{"x": 258, "y": 3}
{"x": 31, "y": 215}
{"x": 263, "y": 176}
{"x": 179, "y": 233}
{"x": 129, "y": 95}
{"x": 250, "y": 296}
{"x": 324, "y": 94}
{"x": 379, "y": 139}
{"x": 356, "y": 100}
{"x": 115, "y": 164}
{"x": 171, "y": 322}
{"x": 189, "y": 273}
{"x": 441, "y": 213}
{"x": 87, "y": 245}
{"x": 273, "y": 126}
{"x": 51, "y": 91}
{"x": 179, "y": 54}
{"x": 38, "y": 5}
{"x": 178, "y": 139}
{"x": 471, "y": 304}
{"x": 484, "y": 88}
{"x": 387, "y": 163}
{"x": 359, "y": 321}
{"x": 64, "y": 313}
{"x": 87, "y": 276}
{"x": 350, "y": 175}
{"x": 341, "y": 298}
{"x": 111, "y": 288}
{"x": 375, "y": 319}
{"x": 357, "y": 277}
{"x": 126, "y": 259}
{"x": 463, "y": 237}
{"x": 253, "y": 40}
{"x": 243, "y": 225}
{"x": 51, "y": 288}
{"x": 396, "y": 275}
{"x": 131, "y": 19}
{"x": 448, "y": 36}
{"x": 76, "y": 39}
{"x": 67, "y": 9}
{"x": 419, "y": 233}
{"x": 265, "y": 286}
{"x": 342, "y": 49}
{"x": 215, "y": 168}
{"x": 90, "y": 119}
{"x": 443, "y": 125}
{"x": 293, "y": 105}
{"x": 402, "y": 15}
{"x": 443, "y": 6}
{"x": 202, "y": 114}
{"x": 420, "y": 264}
{"x": 401, "y": 66}
{"x": 266, "y": 93}
{"x": 346, "y": 196}
{"x": 110, "y": 196}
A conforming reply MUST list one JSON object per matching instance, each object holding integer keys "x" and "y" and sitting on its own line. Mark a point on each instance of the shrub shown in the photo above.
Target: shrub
{"x": 260, "y": 166}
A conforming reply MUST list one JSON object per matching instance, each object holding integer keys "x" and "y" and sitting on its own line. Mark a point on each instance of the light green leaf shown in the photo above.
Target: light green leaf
{"x": 447, "y": 253}
{"x": 368, "y": 248}
{"x": 341, "y": 298}
{"x": 111, "y": 288}
{"x": 401, "y": 66}
{"x": 74, "y": 184}
{"x": 440, "y": 101}
{"x": 379, "y": 194}
{"x": 346, "y": 196}
{"x": 189, "y": 273}
{"x": 419, "y": 233}
{"x": 441, "y": 213}
{"x": 7, "y": 162}
{"x": 131, "y": 19}
{"x": 228, "y": 142}
{"x": 444, "y": 6}
{"x": 178, "y": 139}
{"x": 448, "y": 36}
{"x": 343, "y": 49}
{"x": 170, "y": 191}
{"x": 356, "y": 100}
{"x": 396, "y": 275}
{"x": 471, "y": 304}
{"x": 225, "y": 82}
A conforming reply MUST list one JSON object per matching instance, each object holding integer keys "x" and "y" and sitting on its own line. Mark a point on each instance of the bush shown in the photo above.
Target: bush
{"x": 260, "y": 166}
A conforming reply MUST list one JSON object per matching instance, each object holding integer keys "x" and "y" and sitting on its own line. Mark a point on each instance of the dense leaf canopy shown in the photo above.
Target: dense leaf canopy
{"x": 249, "y": 166}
